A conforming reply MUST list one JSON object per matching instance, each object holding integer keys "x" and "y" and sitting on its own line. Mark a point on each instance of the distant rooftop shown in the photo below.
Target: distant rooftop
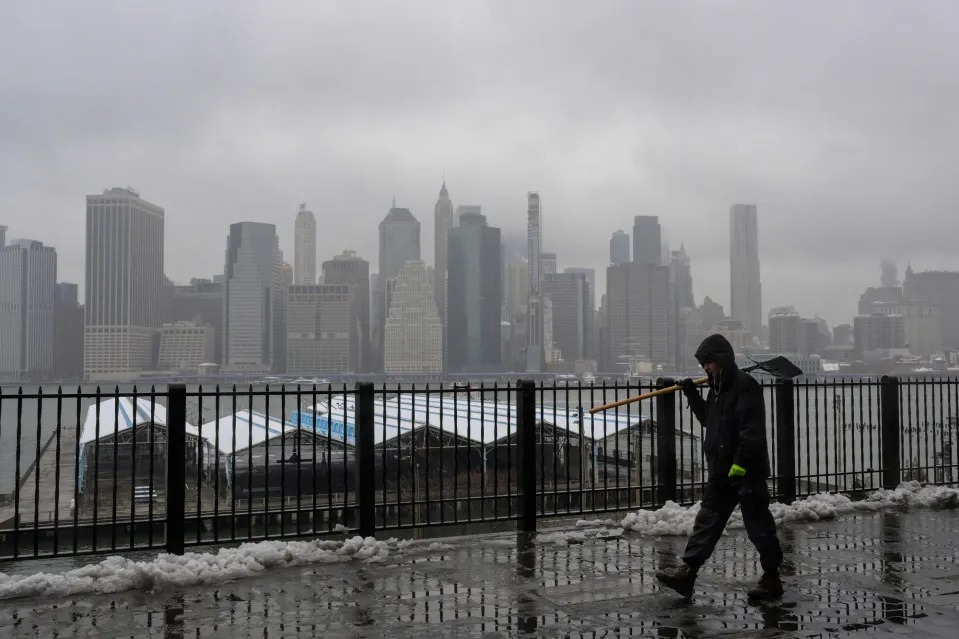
{"x": 399, "y": 215}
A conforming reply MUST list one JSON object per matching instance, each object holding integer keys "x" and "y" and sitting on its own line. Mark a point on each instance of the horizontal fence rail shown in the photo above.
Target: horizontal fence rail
{"x": 90, "y": 470}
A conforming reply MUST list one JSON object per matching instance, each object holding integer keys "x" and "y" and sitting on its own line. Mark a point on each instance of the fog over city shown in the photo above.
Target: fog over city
{"x": 836, "y": 119}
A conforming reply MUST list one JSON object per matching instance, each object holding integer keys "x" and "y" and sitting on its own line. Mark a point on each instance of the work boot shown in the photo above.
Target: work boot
{"x": 770, "y": 587}
{"x": 681, "y": 580}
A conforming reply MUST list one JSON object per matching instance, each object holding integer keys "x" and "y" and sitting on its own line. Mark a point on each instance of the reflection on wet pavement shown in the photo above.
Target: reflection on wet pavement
{"x": 890, "y": 573}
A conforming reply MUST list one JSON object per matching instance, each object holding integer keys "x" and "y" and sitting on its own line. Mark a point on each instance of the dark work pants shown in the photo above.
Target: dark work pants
{"x": 719, "y": 501}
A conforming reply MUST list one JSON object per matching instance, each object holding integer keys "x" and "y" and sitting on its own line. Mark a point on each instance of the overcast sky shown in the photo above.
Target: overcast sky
{"x": 839, "y": 120}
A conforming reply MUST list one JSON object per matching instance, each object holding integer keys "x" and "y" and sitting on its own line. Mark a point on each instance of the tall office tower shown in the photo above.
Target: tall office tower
{"x": 124, "y": 283}
{"x": 348, "y": 269}
{"x": 684, "y": 306}
{"x": 252, "y": 317}
{"x": 647, "y": 240}
{"x": 572, "y": 317}
{"x": 535, "y": 353}
{"x": 200, "y": 301}
{"x": 399, "y": 243}
{"x": 619, "y": 248}
{"x": 304, "y": 251}
{"x": 516, "y": 294}
{"x": 591, "y": 334}
{"x": 28, "y": 290}
{"x": 442, "y": 223}
{"x": 413, "y": 333}
{"x": 638, "y": 314}
{"x": 745, "y": 288}
{"x": 320, "y": 330}
{"x": 681, "y": 274}
{"x": 475, "y": 297}
{"x": 68, "y": 333}
{"x": 3, "y": 235}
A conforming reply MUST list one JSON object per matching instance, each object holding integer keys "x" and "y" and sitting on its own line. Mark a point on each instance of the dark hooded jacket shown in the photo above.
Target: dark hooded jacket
{"x": 733, "y": 414}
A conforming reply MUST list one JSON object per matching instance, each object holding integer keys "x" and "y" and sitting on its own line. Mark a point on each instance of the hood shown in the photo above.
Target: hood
{"x": 718, "y": 349}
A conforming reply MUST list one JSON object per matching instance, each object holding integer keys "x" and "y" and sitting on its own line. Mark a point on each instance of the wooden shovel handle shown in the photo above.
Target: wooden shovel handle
{"x": 630, "y": 400}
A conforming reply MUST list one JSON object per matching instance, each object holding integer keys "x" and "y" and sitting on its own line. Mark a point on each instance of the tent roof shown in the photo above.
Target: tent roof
{"x": 120, "y": 414}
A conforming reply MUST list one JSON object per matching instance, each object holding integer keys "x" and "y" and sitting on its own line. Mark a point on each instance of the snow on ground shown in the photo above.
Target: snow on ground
{"x": 115, "y": 574}
{"x": 673, "y": 519}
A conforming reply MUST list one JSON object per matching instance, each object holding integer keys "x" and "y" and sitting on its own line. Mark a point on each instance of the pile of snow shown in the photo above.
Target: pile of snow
{"x": 673, "y": 519}
{"x": 116, "y": 574}
{"x": 568, "y": 537}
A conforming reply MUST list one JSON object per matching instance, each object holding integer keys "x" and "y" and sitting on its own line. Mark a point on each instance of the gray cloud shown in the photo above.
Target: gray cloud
{"x": 837, "y": 119}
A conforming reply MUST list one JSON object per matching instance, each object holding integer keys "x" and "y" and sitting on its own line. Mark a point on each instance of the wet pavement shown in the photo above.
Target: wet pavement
{"x": 886, "y": 574}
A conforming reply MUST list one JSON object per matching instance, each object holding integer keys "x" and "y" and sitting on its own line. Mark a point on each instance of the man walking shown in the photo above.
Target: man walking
{"x": 737, "y": 456}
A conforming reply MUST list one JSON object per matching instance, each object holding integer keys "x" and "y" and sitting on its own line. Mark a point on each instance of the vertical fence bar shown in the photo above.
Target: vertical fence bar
{"x": 786, "y": 440}
{"x": 665, "y": 443}
{"x": 175, "y": 468}
{"x": 526, "y": 426}
{"x": 364, "y": 467}
{"x": 889, "y": 406}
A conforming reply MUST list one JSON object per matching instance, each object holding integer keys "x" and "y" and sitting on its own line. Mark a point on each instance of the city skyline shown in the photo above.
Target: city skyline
{"x": 840, "y": 143}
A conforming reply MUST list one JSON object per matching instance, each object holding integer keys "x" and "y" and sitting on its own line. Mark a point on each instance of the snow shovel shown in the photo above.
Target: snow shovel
{"x": 778, "y": 367}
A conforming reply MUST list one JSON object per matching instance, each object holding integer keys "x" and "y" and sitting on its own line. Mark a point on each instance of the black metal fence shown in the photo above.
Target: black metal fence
{"x": 91, "y": 471}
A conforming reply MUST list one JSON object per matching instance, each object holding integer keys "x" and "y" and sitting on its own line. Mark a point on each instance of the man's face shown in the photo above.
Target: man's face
{"x": 712, "y": 368}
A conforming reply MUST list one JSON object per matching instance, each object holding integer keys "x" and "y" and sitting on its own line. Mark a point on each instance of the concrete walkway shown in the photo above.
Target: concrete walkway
{"x": 876, "y": 575}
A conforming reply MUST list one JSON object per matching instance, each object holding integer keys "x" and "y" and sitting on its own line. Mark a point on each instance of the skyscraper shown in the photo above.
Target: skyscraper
{"x": 745, "y": 287}
{"x": 942, "y": 289}
{"x": 304, "y": 251}
{"x": 461, "y": 209}
{"x": 619, "y": 247}
{"x": 647, "y": 240}
{"x": 638, "y": 314}
{"x": 475, "y": 297}
{"x": 413, "y": 333}
{"x": 28, "y": 286}
{"x": 348, "y": 269}
{"x": 124, "y": 283}
{"x": 3, "y": 235}
{"x": 253, "y": 317}
{"x": 320, "y": 330}
{"x": 570, "y": 298}
{"x": 68, "y": 333}
{"x": 547, "y": 264}
{"x": 590, "y": 275}
{"x": 443, "y": 222}
{"x": 681, "y": 274}
{"x": 399, "y": 243}
{"x": 535, "y": 354}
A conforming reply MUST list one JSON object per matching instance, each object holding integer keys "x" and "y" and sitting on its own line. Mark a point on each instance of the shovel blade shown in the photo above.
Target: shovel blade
{"x": 779, "y": 367}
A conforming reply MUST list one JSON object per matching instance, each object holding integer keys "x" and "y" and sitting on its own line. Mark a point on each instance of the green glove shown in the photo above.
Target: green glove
{"x": 737, "y": 471}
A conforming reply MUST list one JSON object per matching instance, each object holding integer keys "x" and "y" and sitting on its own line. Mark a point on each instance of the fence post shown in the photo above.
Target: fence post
{"x": 526, "y": 468}
{"x": 889, "y": 421}
{"x": 665, "y": 442}
{"x": 786, "y": 441}
{"x": 175, "y": 468}
{"x": 364, "y": 469}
